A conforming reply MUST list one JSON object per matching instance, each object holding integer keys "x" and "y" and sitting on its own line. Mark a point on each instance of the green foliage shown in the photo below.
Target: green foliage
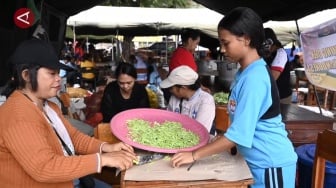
{"x": 221, "y": 98}
{"x": 150, "y": 3}
{"x": 165, "y": 3}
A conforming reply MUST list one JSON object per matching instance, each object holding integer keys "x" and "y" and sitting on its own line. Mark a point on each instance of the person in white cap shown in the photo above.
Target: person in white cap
{"x": 188, "y": 98}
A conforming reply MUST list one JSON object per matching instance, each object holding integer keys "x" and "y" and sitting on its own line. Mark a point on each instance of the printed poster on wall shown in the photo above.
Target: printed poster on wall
{"x": 319, "y": 54}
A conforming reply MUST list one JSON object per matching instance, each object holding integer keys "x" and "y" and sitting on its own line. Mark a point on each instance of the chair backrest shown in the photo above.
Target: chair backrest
{"x": 65, "y": 98}
{"x": 325, "y": 151}
{"x": 103, "y": 132}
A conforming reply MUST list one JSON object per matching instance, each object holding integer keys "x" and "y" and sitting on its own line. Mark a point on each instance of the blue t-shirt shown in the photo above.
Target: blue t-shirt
{"x": 263, "y": 142}
{"x": 154, "y": 77}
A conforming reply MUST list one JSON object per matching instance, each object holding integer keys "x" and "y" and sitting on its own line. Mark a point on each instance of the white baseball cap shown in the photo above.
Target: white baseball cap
{"x": 182, "y": 75}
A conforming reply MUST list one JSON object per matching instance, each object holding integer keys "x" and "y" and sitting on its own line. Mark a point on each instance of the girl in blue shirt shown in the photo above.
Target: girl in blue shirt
{"x": 256, "y": 126}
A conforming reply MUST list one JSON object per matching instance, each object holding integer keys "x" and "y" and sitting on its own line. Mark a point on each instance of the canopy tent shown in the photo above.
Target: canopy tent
{"x": 152, "y": 20}
{"x": 99, "y": 21}
{"x": 134, "y": 21}
{"x": 287, "y": 31}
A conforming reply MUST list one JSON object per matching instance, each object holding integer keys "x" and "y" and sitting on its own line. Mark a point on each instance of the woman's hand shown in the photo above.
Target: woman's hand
{"x": 182, "y": 158}
{"x": 118, "y": 159}
{"x": 117, "y": 147}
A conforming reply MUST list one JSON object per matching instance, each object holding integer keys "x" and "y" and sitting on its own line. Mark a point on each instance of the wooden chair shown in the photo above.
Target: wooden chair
{"x": 103, "y": 132}
{"x": 326, "y": 98}
{"x": 222, "y": 120}
{"x": 325, "y": 150}
{"x": 92, "y": 110}
{"x": 65, "y": 98}
{"x": 329, "y": 100}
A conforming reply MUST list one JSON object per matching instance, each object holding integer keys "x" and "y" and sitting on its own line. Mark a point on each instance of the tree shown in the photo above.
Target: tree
{"x": 166, "y": 3}
{"x": 151, "y": 3}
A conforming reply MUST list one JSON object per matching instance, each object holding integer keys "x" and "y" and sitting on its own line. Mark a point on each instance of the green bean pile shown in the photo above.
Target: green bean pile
{"x": 168, "y": 135}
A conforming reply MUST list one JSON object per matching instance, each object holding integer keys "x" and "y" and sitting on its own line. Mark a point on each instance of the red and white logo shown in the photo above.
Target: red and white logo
{"x": 24, "y": 18}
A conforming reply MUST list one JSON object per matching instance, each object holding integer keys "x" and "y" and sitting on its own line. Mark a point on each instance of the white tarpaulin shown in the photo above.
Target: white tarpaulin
{"x": 134, "y": 18}
{"x": 158, "y": 18}
{"x": 286, "y": 31}
{"x": 319, "y": 52}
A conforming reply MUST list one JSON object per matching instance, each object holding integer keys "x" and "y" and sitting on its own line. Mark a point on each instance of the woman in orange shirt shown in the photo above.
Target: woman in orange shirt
{"x": 37, "y": 142}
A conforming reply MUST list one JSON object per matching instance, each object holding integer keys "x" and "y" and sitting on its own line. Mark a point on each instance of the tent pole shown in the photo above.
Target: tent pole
{"x": 297, "y": 27}
{"x": 74, "y": 36}
{"x": 87, "y": 44}
{"x": 314, "y": 88}
{"x": 317, "y": 99}
{"x": 112, "y": 51}
{"x": 298, "y": 31}
{"x": 118, "y": 54}
{"x": 166, "y": 49}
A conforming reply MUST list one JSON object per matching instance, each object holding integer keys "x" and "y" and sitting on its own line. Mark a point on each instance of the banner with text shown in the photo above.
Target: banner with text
{"x": 319, "y": 53}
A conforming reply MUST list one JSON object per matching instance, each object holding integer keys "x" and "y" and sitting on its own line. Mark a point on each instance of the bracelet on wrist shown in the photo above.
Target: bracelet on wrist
{"x": 192, "y": 155}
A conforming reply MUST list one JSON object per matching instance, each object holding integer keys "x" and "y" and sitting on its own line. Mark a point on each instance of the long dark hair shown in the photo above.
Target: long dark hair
{"x": 17, "y": 81}
{"x": 187, "y": 33}
{"x": 126, "y": 68}
{"x": 244, "y": 21}
{"x": 270, "y": 34}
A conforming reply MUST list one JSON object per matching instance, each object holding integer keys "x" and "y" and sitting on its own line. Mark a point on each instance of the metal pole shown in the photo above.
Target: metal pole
{"x": 112, "y": 51}
{"x": 317, "y": 99}
{"x": 166, "y": 49}
{"x": 298, "y": 31}
{"x": 87, "y": 44}
{"x": 74, "y": 36}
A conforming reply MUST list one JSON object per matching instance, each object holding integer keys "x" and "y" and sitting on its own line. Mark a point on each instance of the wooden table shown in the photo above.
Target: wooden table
{"x": 186, "y": 184}
{"x": 221, "y": 170}
{"x": 303, "y": 125}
